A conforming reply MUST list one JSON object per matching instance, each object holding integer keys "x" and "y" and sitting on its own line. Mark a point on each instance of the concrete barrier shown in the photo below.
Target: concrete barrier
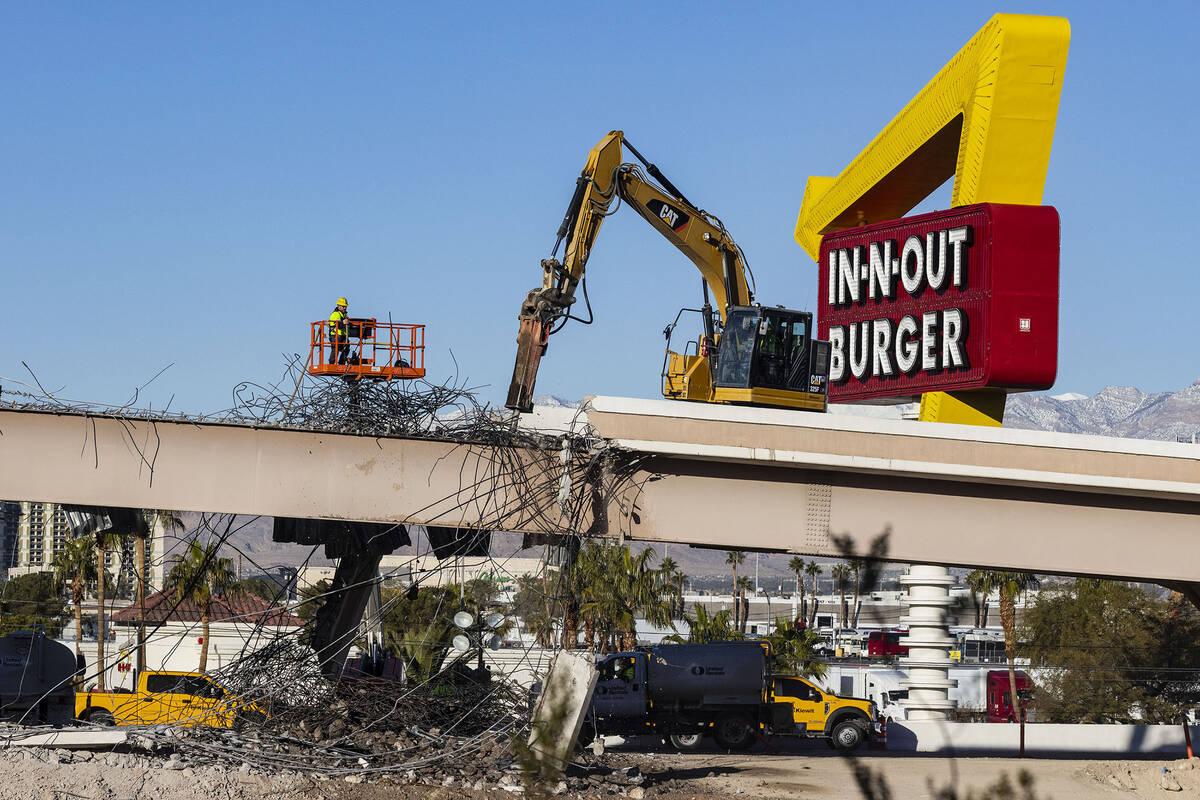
{"x": 1041, "y": 739}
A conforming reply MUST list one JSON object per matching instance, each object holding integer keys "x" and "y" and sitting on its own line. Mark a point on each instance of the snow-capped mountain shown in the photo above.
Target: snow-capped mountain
{"x": 1115, "y": 411}
{"x": 554, "y": 401}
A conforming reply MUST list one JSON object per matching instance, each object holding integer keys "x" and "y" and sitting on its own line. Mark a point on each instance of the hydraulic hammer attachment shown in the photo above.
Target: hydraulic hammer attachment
{"x": 531, "y": 345}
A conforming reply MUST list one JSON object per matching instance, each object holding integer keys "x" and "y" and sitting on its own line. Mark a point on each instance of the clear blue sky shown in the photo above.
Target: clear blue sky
{"x": 193, "y": 183}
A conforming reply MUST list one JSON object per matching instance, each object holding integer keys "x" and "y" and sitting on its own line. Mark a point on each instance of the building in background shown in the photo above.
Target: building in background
{"x": 32, "y": 534}
{"x": 9, "y": 514}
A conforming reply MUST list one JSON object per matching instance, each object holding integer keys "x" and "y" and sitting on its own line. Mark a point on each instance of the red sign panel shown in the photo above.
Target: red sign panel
{"x": 953, "y": 300}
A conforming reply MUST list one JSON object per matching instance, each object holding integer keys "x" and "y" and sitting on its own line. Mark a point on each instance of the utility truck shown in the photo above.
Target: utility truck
{"x": 684, "y": 692}
{"x": 175, "y": 698}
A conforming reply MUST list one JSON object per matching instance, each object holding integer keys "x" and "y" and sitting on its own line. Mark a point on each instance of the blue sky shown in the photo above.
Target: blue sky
{"x": 192, "y": 184}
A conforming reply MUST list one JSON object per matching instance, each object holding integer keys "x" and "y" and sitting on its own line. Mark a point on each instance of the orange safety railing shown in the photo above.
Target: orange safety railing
{"x": 372, "y": 349}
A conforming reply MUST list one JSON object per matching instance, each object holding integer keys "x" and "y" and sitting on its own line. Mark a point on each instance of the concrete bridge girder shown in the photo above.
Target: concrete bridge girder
{"x": 756, "y": 479}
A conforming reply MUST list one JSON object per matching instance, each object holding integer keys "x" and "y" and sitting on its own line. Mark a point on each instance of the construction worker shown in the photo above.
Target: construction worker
{"x": 337, "y": 333}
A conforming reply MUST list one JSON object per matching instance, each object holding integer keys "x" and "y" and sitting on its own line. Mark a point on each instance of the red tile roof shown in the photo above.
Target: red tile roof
{"x": 240, "y": 607}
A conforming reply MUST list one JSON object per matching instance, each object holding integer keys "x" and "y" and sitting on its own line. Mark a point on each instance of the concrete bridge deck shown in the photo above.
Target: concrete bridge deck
{"x": 707, "y": 475}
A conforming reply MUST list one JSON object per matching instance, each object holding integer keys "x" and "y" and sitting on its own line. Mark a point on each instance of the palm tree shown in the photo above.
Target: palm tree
{"x": 744, "y": 583}
{"x": 980, "y": 583}
{"x": 814, "y": 570}
{"x": 200, "y": 576}
{"x": 76, "y": 564}
{"x": 1010, "y": 585}
{"x": 680, "y": 577}
{"x": 104, "y": 540}
{"x": 841, "y": 576}
{"x": 735, "y": 558}
{"x": 669, "y": 570}
{"x": 856, "y": 565}
{"x": 794, "y": 648}
{"x": 797, "y": 565}
{"x": 703, "y": 628}
{"x": 616, "y": 586}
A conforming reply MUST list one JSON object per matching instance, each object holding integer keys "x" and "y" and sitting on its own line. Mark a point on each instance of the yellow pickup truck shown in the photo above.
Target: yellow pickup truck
{"x": 163, "y": 696}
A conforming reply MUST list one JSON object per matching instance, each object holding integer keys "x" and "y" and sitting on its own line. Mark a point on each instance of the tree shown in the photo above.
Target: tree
{"x": 797, "y": 564}
{"x": 420, "y": 624}
{"x": 199, "y": 576}
{"x": 674, "y": 578}
{"x": 76, "y": 566}
{"x": 735, "y": 558}
{"x": 856, "y": 565}
{"x": 814, "y": 571}
{"x": 841, "y": 576}
{"x": 704, "y": 628}
{"x": 1011, "y": 584}
{"x": 263, "y": 586}
{"x": 31, "y": 601}
{"x": 309, "y": 602}
{"x": 1109, "y": 652}
{"x": 980, "y": 583}
{"x": 680, "y": 577}
{"x": 615, "y": 587}
{"x": 794, "y": 648}
{"x": 744, "y": 585}
{"x": 530, "y": 604}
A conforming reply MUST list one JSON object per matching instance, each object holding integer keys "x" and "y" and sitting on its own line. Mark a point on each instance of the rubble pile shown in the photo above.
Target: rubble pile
{"x": 364, "y": 726}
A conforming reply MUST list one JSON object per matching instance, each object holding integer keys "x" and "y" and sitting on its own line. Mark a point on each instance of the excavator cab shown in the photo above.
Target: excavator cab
{"x": 767, "y": 356}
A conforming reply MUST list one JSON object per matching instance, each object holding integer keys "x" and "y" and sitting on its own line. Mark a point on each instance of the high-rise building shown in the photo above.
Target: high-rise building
{"x": 9, "y": 514}
{"x": 41, "y": 532}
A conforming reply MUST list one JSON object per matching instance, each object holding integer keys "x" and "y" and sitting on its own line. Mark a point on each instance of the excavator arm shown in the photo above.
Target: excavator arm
{"x": 605, "y": 179}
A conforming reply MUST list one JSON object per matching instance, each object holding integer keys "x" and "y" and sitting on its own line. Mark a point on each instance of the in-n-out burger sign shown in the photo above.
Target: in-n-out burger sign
{"x": 954, "y": 300}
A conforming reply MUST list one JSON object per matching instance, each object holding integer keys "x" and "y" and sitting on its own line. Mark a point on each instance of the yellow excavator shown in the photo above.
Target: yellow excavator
{"x": 747, "y": 354}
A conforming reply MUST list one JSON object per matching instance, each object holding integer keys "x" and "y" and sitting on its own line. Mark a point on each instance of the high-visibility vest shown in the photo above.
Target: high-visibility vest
{"x": 336, "y": 328}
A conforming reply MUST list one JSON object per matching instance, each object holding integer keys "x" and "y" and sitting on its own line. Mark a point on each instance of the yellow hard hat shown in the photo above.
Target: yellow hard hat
{"x": 342, "y": 301}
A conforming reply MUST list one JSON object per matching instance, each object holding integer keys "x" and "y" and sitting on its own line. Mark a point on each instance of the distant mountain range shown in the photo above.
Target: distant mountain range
{"x": 1115, "y": 411}
{"x": 1121, "y": 411}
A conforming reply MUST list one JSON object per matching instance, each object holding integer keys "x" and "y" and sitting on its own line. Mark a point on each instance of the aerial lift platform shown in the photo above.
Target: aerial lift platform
{"x": 378, "y": 350}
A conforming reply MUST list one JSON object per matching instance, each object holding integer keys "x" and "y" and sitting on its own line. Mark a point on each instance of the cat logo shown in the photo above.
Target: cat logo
{"x": 676, "y": 220}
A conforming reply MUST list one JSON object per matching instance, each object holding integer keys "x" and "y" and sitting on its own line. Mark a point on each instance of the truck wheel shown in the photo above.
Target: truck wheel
{"x": 101, "y": 718}
{"x": 732, "y": 732}
{"x": 685, "y": 741}
{"x": 848, "y": 735}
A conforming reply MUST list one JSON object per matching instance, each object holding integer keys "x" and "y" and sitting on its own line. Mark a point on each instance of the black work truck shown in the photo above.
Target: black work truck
{"x": 684, "y": 692}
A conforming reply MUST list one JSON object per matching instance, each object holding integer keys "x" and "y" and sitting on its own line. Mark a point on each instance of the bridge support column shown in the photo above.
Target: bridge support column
{"x": 928, "y": 660}
{"x": 359, "y": 548}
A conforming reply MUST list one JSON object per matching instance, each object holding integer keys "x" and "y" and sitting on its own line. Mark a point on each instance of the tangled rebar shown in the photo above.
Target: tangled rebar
{"x": 290, "y": 715}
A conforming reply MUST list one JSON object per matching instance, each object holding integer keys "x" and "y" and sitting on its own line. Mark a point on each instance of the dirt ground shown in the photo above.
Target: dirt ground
{"x": 827, "y": 775}
{"x": 816, "y": 772}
